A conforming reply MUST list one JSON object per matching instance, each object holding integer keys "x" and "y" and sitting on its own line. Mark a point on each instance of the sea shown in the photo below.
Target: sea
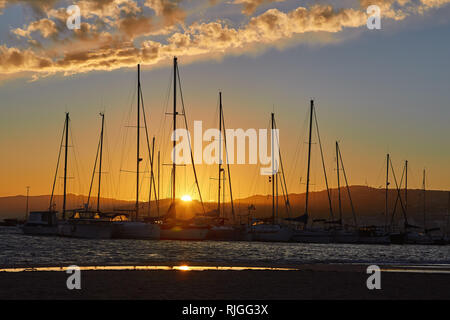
{"x": 19, "y": 250}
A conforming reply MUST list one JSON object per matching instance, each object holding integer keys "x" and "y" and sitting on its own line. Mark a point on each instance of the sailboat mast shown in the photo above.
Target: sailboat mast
{"x": 159, "y": 165}
{"x": 424, "y": 203}
{"x": 347, "y": 186}
{"x": 138, "y": 139}
{"x": 174, "y": 125}
{"x": 309, "y": 156}
{"x": 65, "y": 166}
{"x": 26, "y": 209}
{"x": 220, "y": 150}
{"x": 406, "y": 187}
{"x": 448, "y": 215}
{"x": 387, "y": 190}
{"x": 276, "y": 173}
{"x": 338, "y": 182}
{"x": 223, "y": 193}
{"x": 228, "y": 166}
{"x": 273, "y": 175}
{"x": 100, "y": 163}
{"x": 152, "y": 176}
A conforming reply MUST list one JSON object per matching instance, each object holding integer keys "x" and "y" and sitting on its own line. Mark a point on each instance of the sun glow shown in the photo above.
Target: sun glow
{"x": 186, "y": 198}
{"x": 183, "y": 268}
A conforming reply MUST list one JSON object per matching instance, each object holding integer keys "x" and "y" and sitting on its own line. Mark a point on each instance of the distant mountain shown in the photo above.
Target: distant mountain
{"x": 369, "y": 205}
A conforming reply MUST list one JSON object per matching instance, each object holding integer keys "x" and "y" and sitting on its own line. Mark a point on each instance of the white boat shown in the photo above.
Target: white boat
{"x": 42, "y": 223}
{"x": 136, "y": 230}
{"x": 271, "y": 232}
{"x": 86, "y": 228}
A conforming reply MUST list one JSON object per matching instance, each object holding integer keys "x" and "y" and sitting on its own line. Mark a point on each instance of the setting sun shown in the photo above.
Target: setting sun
{"x": 186, "y": 198}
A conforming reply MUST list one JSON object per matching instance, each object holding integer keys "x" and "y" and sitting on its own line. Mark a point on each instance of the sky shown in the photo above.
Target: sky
{"x": 375, "y": 91}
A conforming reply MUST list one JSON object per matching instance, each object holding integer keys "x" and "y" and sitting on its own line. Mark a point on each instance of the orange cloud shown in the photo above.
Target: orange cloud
{"x": 46, "y": 27}
{"x": 249, "y": 6}
{"x": 93, "y": 48}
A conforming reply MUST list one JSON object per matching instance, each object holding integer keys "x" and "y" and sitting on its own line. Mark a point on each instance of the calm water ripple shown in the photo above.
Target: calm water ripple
{"x": 17, "y": 249}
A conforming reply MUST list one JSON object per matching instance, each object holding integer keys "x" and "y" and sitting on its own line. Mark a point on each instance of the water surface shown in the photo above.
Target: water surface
{"x": 17, "y": 249}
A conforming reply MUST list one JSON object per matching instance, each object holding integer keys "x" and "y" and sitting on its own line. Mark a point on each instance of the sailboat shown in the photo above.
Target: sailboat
{"x": 424, "y": 237}
{"x": 219, "y": 230}
{"x": 173, "y": 228}
{"x": 136, "y": 228}
{"x": 311, "y": 234}
{"x": 83, "y": 223}
{"x": 341, "y": 233}
{"x": 272, "y": 230}
{"x": 410, "y": 233}
{"x": 46, "y": 222}
{"x": 353, "y": 233}
{"x": 444, "y": 237}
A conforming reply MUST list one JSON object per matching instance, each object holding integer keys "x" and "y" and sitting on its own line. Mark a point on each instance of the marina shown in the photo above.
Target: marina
{"x": 221, "y": 223}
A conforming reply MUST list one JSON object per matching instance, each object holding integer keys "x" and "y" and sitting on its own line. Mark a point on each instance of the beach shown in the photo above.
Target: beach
{"x": 318, "y": 281}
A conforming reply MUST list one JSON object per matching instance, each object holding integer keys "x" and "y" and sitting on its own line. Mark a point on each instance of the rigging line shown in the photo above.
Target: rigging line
{"x": 162, "y": 124}
{"x": 323, "y": 165}
{"x": 107, "y": 152}
{"x": 348, "y": 188}
{"x": 163, "y": 134}
{"x": 398, "y": 193}
{"x": 57, "y": 166}
{"x": 125, "y": 151}
{"x": 189, "y": 139}
{"x": 79, "y": 171}
{"x": 123, "y": 131}
{"x": 228, "y": 167}
{"x": 396, "y": 199}
{"x": 152, "y": 179}
{"x": 206, "y": 172}
{"x": 93, "y": 175}
{"x": 298, "y": 151}
{"x": 380, "y": 171}
{"x": 283, "y": 181}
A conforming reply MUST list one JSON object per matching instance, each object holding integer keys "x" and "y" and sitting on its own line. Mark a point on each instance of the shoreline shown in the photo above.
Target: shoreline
{"x": 314, "y": 281}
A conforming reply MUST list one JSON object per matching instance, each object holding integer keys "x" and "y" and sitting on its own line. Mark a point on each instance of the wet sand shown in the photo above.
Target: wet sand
{"x": 308, "y": 282}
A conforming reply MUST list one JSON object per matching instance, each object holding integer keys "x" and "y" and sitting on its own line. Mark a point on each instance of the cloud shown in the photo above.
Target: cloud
{"x": 45, "y": 27}
{"x": 195, "y": 40}
{"x": 95, "y": 47}
{"x": 249, "y": 6}
{"x": 168, "y": 9}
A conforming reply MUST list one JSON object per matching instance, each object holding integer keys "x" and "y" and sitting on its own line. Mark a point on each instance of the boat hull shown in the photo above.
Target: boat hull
{"x": 374, "y": 240}
{"x": 181, "y": 233}
{"x": 228, "y": 234}
{"x": 411, "y": 238}
{"x": 40, "y": 230}
{"x": 271, "y": 233}
{"x": 307, "y": 236}
{"x": 86, "y": 230}
{"x": 136, "y": 230}
{"x": 345, "y": 237}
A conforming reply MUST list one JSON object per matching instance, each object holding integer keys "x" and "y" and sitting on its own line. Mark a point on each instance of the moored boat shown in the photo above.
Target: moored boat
{"x": 86, "y": 228}
{"x": 183, "y": 231}
{"x": 41, "y": 223}
{"x": 312, "y": 236}
{"x": 136, "y": 230}
{"x": 271, "y": 232}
